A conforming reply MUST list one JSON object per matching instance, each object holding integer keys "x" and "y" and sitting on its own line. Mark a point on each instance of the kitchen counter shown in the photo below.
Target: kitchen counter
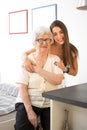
{"x": 74, "y": 100}
{"x": 75, "y": 95}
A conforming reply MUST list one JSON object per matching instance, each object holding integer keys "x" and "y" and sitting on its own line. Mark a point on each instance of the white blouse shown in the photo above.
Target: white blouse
{"x": 37, "y": 84}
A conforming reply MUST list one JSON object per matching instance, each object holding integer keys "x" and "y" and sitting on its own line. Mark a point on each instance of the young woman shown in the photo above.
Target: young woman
{"x": 46, "y": 76}
{"x": 62, "y": 47}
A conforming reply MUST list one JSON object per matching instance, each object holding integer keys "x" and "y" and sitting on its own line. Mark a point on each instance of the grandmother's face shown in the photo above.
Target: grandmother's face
{"x": 43, "y": 42}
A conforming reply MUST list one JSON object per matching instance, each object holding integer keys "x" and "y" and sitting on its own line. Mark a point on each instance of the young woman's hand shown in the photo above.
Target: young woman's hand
{"x": 28, "y": 65}
{"x": 61, "y": 65}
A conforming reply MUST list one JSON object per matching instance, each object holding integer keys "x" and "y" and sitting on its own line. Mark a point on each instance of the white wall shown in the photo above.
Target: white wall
{"x": 11, "y": 46}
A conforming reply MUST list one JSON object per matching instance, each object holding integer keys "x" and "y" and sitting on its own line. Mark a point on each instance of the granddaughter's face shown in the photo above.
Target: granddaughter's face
{"x": 58, "y": 35}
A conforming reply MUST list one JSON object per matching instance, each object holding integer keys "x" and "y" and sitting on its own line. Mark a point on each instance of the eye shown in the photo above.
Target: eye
{"x": 54, "y": 34}
{"x": 61, "y": 32}
{"x": 47, "y": 40}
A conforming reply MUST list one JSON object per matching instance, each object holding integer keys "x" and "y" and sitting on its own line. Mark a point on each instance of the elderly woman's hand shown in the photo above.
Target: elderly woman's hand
{"x": 33, "y": 118}
{"x": 37, "y": 68}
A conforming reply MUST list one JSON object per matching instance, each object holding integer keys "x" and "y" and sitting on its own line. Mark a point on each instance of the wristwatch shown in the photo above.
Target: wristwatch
{"x": 67, "y": 69}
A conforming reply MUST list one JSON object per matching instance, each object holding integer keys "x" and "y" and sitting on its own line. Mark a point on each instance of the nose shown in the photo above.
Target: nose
{"x": 44, "y": 41}
{"x": 58, "y": 35}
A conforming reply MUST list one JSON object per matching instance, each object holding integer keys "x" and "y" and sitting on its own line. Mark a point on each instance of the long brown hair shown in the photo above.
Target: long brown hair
{"x": 69, "y": 50}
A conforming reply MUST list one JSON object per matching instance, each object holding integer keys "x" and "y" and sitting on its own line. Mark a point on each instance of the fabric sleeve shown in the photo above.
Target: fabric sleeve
{"x": 23, "y": 76}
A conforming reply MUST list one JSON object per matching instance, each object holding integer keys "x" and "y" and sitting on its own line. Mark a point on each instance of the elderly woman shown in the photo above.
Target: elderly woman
{"x": 46, "y": 76}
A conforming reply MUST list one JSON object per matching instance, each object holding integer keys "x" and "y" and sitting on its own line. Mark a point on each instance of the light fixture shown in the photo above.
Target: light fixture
{"x": 82, "y": 5}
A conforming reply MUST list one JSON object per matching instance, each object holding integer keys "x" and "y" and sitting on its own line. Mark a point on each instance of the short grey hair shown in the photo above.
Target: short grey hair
{"x": 40, "y": 31}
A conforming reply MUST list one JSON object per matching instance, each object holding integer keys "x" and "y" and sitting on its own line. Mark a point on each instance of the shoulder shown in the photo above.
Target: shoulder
{"x": 31, "y": 56}
{"x": 73, "y": 49}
